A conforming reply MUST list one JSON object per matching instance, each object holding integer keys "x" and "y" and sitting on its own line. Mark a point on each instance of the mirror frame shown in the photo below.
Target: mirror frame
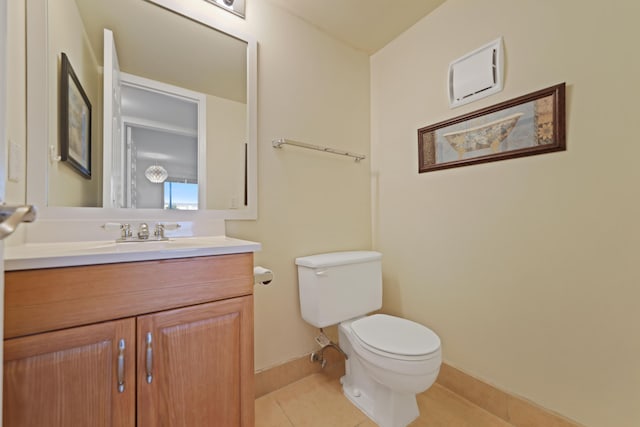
{"x": 39, "y": 154}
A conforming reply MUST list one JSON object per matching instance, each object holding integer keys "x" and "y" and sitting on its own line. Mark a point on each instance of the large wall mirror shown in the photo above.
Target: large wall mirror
{"x": 172, "y": 129}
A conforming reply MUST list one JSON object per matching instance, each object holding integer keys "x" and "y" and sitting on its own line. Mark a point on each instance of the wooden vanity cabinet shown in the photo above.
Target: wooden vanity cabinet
{"x": 183, "y": 360}
{"x": 69, "y": 377}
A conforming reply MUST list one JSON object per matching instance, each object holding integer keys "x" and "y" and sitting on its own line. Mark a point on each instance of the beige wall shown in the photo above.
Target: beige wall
{"x": 67, "y": 187}
{"x": 314, "y": 89}
{"x": 226, "y": 141}
{"x": 526, "y": 268}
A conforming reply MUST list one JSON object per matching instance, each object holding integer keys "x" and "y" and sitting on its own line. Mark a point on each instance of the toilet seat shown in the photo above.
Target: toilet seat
{"x": 396, "y": 338}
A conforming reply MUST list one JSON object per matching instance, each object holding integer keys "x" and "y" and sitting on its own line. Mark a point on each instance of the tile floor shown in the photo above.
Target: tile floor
{"x": 317, "y": 401}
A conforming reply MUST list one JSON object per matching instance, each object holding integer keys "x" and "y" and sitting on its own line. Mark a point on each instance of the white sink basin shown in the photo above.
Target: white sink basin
{"x": 46, "y": 255}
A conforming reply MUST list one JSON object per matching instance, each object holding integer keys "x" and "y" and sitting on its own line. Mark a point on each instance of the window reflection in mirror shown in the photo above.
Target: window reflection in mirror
{"x": 180, "y": 195}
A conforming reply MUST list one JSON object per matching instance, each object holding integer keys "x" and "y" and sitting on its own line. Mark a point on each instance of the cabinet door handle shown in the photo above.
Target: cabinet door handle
{"x": 121, "y": 347}
{"x": 149, "y": 358}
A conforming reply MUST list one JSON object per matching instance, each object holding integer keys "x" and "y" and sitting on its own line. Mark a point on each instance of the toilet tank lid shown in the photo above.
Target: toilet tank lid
{"x": 333, "y": 259}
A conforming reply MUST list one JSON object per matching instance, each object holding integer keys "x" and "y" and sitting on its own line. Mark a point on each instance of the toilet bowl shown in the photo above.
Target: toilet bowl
{"x": 390, "y": 360}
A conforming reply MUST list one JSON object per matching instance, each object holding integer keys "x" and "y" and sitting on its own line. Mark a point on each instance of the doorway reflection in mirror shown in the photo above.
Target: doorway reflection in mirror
{"x": 161, "y": 139}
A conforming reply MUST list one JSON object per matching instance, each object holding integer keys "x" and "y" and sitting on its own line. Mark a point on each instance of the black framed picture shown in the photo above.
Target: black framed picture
{"x": 75, "y": 121}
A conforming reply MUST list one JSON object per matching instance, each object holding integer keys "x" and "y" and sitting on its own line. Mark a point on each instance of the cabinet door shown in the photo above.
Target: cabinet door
{"x": 195, "y": 366}
{"x": 71, "y": 377}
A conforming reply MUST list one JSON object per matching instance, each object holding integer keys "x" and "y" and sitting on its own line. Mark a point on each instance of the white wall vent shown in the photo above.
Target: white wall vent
{"x": 476, "y": 74}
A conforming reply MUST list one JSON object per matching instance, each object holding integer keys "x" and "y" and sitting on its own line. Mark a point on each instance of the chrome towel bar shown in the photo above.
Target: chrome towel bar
{"x": 278, "y": 143}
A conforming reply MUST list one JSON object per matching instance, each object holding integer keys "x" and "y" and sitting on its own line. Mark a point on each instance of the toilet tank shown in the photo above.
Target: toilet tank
{"x": 339, "y": 286}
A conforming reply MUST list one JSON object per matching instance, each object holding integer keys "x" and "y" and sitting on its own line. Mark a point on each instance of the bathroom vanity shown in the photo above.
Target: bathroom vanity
{"x": 153, "y": 342}
{"x": 157, "y": 333}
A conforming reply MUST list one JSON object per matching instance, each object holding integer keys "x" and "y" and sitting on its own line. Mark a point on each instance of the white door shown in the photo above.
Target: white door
{"x": 10, "y": 217}
{"x": 113, "y": 166}
{"x": 3, "y": 147}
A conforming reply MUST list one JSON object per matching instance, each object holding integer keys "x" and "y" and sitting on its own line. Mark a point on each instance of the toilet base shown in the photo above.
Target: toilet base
{"x": 386, "y": 397}
{"x": 385, "y": 407}
{"x": 382, "y": 406}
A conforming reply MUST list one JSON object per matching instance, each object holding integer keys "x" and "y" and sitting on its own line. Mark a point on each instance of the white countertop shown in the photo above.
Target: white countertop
{"x": 49, "y": 255}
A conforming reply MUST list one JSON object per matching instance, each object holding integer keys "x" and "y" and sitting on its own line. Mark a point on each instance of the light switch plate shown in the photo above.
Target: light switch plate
{"x": 16, "y": 167}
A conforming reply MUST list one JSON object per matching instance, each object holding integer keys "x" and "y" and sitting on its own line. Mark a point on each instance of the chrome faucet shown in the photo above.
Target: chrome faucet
{"x": 160, "y": 228}
{"x": 126, "y": 232}
{"x": 143, "y": 234}
{"x": 143, "y": 231}
{"x": 158, "y": 231}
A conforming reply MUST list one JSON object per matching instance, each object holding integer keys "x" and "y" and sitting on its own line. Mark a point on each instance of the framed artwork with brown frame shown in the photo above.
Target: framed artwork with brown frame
{"x": 75, "y": 121}
{"x": 523, "y": 126}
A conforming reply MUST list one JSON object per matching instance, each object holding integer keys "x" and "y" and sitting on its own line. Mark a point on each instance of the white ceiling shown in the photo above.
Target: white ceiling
{"x": 155, "y": 43}
{"x": 367, "y": 25}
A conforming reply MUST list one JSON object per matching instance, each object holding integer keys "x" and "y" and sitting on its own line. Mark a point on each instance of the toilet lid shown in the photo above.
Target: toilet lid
{"x": 396, "y": 335}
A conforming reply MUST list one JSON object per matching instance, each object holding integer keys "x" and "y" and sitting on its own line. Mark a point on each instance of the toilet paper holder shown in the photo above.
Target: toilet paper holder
{"x": 262, "y": 276}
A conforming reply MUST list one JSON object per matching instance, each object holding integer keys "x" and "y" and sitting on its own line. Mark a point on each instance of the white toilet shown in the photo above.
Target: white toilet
{"x": 390, "y": 359}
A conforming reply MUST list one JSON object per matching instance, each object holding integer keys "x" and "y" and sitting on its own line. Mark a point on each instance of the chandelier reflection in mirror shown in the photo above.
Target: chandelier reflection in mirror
{"x": 156, "y": 174}
{"x": 234, "y": 6}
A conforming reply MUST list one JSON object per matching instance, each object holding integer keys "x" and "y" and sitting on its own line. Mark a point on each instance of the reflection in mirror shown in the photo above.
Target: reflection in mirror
{"x": 175, "y": 96}
{"x": 163, "y": 132}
